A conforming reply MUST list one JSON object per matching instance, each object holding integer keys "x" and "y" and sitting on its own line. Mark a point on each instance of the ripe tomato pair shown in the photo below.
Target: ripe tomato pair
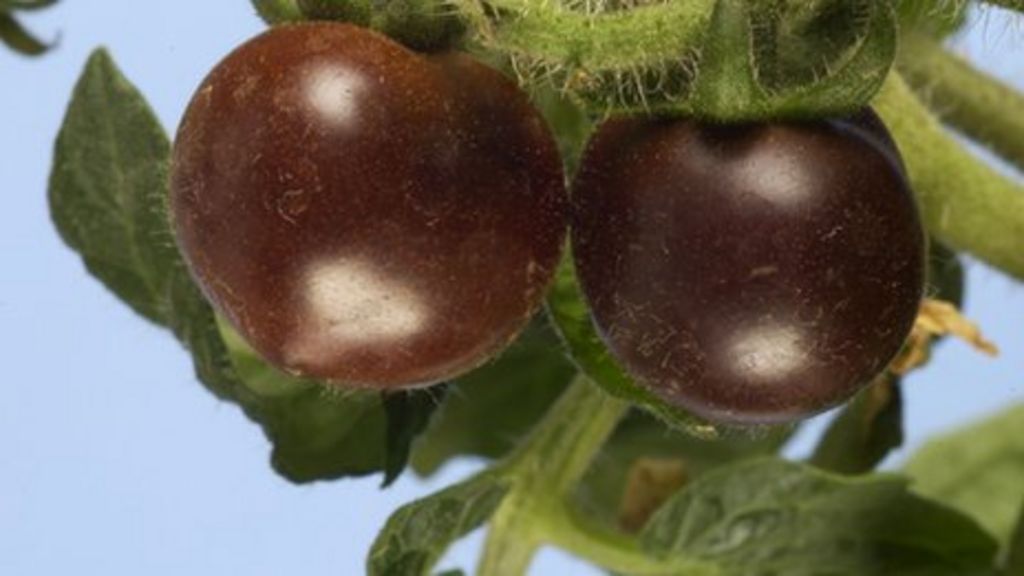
{"x": 380, "y": 218}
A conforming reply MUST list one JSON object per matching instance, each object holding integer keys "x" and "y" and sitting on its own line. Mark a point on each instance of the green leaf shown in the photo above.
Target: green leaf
{"x": 864, "y": 433}
{"x": 320, "y": 433}
{"x": 17, "y": 38}
{"x": 107, "y": 198}
{"x": 1015, "y": 555}
{"x": 978, "y": 470}
{"x": 408, "y": 414}
{"x": 767, "y": 517}
{"x": 107, "y": 188}
{"x": 489, "y": 410}
{"x": 571, "y": 317}
{"x": 641, "y": 436}
{"x": 418, "y": 534}
{"x": 278, "y": 11}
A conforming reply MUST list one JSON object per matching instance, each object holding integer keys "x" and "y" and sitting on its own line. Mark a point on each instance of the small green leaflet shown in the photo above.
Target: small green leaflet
{"x": 978, "y": 470}
{"x": 107, "y": 199}
{"x": 770, "y": 517}
{"x": 107, "y": 189}
{"x": 417, "y": 534}
{"x": 572, "y": 318}
{"x": 864, "y": 433}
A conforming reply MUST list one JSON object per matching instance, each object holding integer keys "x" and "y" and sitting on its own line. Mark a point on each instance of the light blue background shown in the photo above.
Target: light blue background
{"x": 114, "y": 461}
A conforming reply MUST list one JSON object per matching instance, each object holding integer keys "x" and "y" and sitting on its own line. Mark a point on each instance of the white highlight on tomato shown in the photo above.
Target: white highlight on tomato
{"x": 333, "y": 92}
{"x": 768, "y": 352}
{"x": 351, "y": 301}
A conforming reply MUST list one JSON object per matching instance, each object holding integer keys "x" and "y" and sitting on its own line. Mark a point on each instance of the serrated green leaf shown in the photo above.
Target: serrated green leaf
{"x": 408, "y": 414}
{"x": 641, "y": 436}
{"x": 107, "y": 188}
{"x": 866, "y": 430}
{"x": 768, "y": 517}
{"x": 571, "y": 318}
{"x": 978, "y": 470}
{"x": 418, "y": 534}
{"x": 490, "y": 409}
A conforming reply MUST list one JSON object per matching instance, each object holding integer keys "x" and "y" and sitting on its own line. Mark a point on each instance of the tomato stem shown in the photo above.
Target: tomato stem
{"x": 543, "y": 471}
{"x": 967, "y": 98}
{"x": 964, "y": 202}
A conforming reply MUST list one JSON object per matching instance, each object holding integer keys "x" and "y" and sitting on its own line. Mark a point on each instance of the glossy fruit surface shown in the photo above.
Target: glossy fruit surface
{"x": 362, "y": 213}
{"x": 748, "y": 273}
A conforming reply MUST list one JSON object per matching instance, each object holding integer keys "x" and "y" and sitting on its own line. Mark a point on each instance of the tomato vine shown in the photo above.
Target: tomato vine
{"x": 717, "y": 62}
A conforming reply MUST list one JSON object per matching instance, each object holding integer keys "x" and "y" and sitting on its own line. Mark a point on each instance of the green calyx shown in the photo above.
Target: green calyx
{"x": 722, "y": 60}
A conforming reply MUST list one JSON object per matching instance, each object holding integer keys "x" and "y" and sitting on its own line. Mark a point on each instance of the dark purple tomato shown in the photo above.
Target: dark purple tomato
{"x": 365, "y": 214}
{"x": 753, "y": 273}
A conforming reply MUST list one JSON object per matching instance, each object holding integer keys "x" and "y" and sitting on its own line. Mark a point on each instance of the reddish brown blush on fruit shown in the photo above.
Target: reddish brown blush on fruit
{"x": 749, "y": 274}
{"x": 365, "y": 214}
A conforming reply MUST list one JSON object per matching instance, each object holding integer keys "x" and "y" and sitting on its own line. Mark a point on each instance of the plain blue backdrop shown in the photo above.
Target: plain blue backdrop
{"x": 114, "y": 461}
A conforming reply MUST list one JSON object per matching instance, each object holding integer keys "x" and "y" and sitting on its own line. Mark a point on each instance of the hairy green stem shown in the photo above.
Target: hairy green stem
{"x": 964, "y": 202}
{"x": 970, "y": 100}
{"x": 625, "y": 39}
{"x": 543, "y": 470}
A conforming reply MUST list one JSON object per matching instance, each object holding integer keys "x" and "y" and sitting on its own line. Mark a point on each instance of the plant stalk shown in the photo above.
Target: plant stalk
{"x": 543, "y": 470}
{"x": 964, "y": 202}
{"x": 964, "y": 97}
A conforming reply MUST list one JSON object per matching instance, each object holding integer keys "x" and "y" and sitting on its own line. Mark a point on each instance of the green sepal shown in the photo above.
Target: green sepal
{"x": 865, "y": 431}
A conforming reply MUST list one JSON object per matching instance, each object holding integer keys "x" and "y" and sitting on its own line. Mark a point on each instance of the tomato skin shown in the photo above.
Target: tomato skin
{"x": 364, "y": 214}
{"x": 750, "y": 274}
